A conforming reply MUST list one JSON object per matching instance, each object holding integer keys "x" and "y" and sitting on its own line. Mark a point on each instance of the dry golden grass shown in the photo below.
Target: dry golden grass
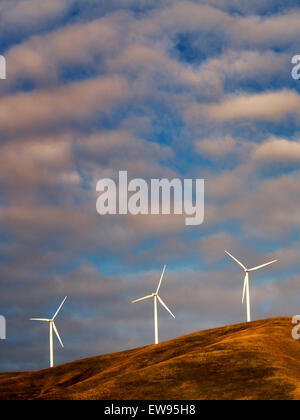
{"x": 259, "y": 360}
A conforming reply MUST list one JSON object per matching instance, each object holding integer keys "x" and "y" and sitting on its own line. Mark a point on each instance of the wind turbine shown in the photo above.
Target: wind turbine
{"x": 156, "y": 298}
{"x": 246, "y": 282}
{"x": 52, "y": 327}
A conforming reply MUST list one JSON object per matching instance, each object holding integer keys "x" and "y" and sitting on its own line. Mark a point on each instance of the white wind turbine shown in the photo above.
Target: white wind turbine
{"x": 52, "y": 327}
{"x": 246, "y": 282}
{"x": 156, "y": 297}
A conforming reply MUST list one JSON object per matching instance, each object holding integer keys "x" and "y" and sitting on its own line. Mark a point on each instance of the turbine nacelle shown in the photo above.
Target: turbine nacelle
{"x": 248, "y": 270}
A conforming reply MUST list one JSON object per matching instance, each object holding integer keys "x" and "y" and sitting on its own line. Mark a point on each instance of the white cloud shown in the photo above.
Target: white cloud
{"x": 266, "y": 106}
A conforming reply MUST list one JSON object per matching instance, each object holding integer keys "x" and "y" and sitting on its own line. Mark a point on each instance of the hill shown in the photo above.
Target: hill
{"x": 259, "y": 360}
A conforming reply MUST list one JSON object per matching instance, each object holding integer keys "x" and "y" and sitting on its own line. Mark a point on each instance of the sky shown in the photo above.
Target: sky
{"x": 171, "y": 89}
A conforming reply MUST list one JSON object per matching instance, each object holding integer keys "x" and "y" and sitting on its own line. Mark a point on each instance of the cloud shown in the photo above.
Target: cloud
{"x": 19, "y": 17}
{"x": 266, "y": 106}
{"x": 35, "y": 224}
{"x": 30, "y": 11}
{"x": 41, "y": 57}
{"x": 233, "y": 29}
{"x": 76, "y": 102}
{"x": 119, "y": 147}
{"x": 279, "y": 29}
{"x": 247, "y": 64}
{"x": 276, "y": 150}
{"x": 253, "y": 8}
{"x": 212, "y": 247}
{"x": 47, "y": 172}
{"x": 270, "y": 207}
{"x": 214, "y": 148}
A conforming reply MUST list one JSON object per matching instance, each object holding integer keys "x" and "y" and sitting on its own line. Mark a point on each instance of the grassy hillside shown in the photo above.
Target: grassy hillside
{"x": 259, "y": 360}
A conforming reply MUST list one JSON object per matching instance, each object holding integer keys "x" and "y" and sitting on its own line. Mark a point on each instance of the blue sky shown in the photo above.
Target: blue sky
{"x": 188, "y": 89}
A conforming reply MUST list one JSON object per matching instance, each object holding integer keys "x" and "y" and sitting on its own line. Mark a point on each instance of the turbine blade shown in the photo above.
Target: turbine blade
{"x": 165, "y": 306}
{"x": 242, "y": 265}
{"x": 264, "y": 265}
{"x": 143, "y": 298}
{"x": 161, "y": 277}
{"x": 56, "y": 332}
{"x": 39, "y": 319}
{"x": 245, "y": 285}
{"x": 56, "y": 313}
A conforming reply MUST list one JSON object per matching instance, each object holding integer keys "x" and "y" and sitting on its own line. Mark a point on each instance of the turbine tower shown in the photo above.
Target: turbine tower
{"x": 156, "y": 298}
{"x": 52, "y": 327}
{"x": 246, "y": 289}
